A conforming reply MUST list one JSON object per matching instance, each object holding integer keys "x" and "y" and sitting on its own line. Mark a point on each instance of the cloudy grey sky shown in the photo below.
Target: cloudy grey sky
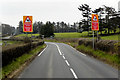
{"x": 12, "y": 11}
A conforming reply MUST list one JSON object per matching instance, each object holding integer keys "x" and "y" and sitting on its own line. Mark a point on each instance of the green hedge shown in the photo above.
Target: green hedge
{"x": 13, "y": 53}
{"x": 104, "y": 45}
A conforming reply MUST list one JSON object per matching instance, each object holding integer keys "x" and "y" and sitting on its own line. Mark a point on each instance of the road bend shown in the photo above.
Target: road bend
{"x": 59, "y": 60}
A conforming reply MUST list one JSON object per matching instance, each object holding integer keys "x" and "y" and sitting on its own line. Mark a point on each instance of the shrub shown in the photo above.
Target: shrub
{"x": 117, "y": 48}
{"x": 27, "y": 40}
{"x": 104, "y": 45}
{"x": 86, "y": 42}
{"x": 13, "y": 53}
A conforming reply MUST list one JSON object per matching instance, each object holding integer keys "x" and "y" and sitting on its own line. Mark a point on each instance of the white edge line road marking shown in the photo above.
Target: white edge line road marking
{"x": 73, "y": 73}
{"x": 63, "y": 57}
{"x": 38, "y": 55}
{"x": 43, "y": 51}
{"x": 67, "y": 62}
{"x": 82, "y": 53}
{"x": 77, "y": 51}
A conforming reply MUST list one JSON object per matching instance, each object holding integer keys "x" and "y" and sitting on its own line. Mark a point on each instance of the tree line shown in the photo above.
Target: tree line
{"x": 109, "y": 19}
{"x": 7, "y": 29}
{"x": 109, "y": 22}
{"x": 49, "y": 28}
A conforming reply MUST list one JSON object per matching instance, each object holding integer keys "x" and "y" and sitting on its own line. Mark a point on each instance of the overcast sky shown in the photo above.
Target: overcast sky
{"x": 12, "y": 11}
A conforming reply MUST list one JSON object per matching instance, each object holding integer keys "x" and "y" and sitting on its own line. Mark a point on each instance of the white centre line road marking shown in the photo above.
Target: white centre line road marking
{"x": 57, "y": 48}
{"x": 63, "y": 57}
{"x": 73, "y": 73}
{"x": 43, "y": 51}
{"x": 75, "y": 76}
{"x": 67, "y": 62}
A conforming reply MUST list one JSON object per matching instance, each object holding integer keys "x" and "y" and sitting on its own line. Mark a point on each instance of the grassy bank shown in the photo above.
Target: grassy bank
{"x": 20, "y": 60}
{"x": 111, "y": 59}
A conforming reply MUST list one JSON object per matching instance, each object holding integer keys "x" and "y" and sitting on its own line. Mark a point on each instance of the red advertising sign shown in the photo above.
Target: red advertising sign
{"x": 27, "y": 24}
{"x": 95, "y": 22}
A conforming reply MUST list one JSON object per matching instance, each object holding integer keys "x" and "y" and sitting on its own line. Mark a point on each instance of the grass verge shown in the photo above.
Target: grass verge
{"x": 7, "y": 70}
{"x": 112, "y": 59}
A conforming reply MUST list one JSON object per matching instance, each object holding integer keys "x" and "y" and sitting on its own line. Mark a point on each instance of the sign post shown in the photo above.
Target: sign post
{"x": 95, "y": 25}
{"x": 27, "y": 25}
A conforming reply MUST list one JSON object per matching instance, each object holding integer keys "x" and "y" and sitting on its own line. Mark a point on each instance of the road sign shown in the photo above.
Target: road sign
{"x": 95, "y": 22}
{"x": 27, "y": 24}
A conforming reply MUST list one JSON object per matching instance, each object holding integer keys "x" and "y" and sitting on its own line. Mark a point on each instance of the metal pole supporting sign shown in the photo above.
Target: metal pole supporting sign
{"x": 95, "y": 25}
{"x": 93, "y": 39}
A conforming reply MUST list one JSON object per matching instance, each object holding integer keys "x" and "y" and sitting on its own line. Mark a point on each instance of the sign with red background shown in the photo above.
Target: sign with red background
{"x": 27, "y": 24}
{"x": 95, "y": 22}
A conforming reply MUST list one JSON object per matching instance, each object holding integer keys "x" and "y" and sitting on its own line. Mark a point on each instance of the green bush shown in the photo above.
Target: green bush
{"x": 85, "y": 41}
{"x": 104, "y": 45}
{"x": 117, "y": 47}
{"x": 112, "y": 59}
{"x": 13, "y": 53}
{"x": 27, "y": 40}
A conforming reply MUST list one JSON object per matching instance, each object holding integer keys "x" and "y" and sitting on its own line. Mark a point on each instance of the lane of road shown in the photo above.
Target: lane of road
{"x": 59, "y": 60}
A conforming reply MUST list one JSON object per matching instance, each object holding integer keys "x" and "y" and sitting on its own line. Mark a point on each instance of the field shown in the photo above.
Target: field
{"x": 112, "y": 37}
{"x": 80, "y": 35}
{"x": 74, "y": 35}
{"x": 70, "y": 35}
{"x": 60, "y": 35}
{"x": 9, "y": 43}
{"x": 29, "y": 35}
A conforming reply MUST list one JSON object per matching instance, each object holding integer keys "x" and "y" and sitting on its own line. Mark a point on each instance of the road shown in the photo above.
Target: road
{"x": 59, "y": 60}
{"x": 8, "y": 37}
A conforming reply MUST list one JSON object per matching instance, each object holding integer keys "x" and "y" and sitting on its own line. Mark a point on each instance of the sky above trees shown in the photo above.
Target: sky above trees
{"x": 12, "y": 11}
